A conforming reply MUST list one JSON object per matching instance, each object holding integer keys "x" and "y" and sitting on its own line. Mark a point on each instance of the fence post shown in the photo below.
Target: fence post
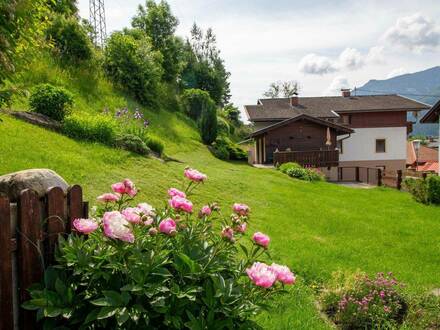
{"x": 6, "y": 287}
{"x": 399, "y": 179}
{"x": 357, "y": 174}
{"x": 29, "y": 257}
{"x": 75, "y": 205}
{"x": 424, "y": 175}
{"x": 56, "y": 223}
{"x": 379, "y": 177}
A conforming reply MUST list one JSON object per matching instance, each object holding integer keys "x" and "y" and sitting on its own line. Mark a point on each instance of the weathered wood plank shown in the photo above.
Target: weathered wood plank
{"x": 56, "y": 223}
{"x": 30, "y": 263}
{"x": 6, "y": 286}
{"x": 74, "y": 204}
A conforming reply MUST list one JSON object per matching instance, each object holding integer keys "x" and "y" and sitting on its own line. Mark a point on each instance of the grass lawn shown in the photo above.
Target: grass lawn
{"x": 316, "y": 228}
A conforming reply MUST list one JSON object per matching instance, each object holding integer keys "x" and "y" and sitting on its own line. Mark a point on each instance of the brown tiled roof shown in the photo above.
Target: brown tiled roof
{"x": 432, "y": 115}
{"x": 425, "y": 154}
{"x": 325, "y": 106}
{"x": 339, "y": 128}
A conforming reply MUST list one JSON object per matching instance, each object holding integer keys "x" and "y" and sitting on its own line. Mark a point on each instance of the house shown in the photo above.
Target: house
{"x": 432, "y": 116}
{"x": 332, "y": 132}
{"x": 424, "y": 159}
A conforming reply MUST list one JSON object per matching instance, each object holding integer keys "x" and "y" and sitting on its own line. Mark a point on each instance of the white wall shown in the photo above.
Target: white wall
{"x": 361, "y": 145}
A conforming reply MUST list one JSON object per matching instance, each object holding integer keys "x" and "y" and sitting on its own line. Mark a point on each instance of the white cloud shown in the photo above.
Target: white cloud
{"x": 351, "y": 59}
{"x": 335, "y": 87}
{"x": 375, "y": 55}
{"x": 316, "y": 64}
{"x": 415, "y": 32}
{"x": 397, "y": 72}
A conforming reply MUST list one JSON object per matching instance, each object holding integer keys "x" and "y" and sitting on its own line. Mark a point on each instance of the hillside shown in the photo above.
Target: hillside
{"x": 315, "y": 228}
{"x": 412, "y": 85}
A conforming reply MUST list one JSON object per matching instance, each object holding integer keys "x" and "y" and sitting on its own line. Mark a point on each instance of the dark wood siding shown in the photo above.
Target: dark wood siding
{"x": 298, "y": 136}
{"x": 375, "y": 119}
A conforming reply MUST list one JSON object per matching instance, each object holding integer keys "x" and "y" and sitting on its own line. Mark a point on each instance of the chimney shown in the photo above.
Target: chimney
{"x": 294, "y": 100}
{"x": 346, "y": 92}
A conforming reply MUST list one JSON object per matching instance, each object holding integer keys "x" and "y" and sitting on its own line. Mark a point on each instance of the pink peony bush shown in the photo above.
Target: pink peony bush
{"x": 137, "y": 267}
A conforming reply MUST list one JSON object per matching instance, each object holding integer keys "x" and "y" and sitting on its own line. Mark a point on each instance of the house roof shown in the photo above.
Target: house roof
{"x": 429, "y": 167}
{"x": 425, "y": 154}
{"x": 339, "y": 128}
{"x": 329, "y": 106}
{"x": 432, "y": 115}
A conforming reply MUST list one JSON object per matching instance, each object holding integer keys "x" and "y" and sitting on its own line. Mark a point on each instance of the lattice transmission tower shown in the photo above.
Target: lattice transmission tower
{"x": 97, "y": 20}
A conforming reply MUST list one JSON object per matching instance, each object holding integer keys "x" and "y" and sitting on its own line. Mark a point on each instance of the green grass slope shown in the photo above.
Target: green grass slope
{"x": 316, "y": 228}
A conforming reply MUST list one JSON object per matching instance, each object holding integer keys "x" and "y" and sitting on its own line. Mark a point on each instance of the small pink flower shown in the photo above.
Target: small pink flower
{"x": 108, "y": 197}
{"x": 132, "y": 214}
{"x": 116, "y": 226}
{"x": 261, "y": 275}
{"x": 172, "y": 192}
{"x": 228, "y": 233}
{"x": 167, "y": 226}
{"x": 284, "y": 274}
{"x": 85, "y": 226}
{"x": 146, "y": 209}
{"x": 382, "y": 294}
{"x": 241, "y": 209}
{"x": 206, "y": 210}
{"x": 194, "y": 175}
{"x": 181, "y": 204}
{"x": 261, "y": 239}
{"x": 241, "y": 228}
{"x": 125, "y": 187}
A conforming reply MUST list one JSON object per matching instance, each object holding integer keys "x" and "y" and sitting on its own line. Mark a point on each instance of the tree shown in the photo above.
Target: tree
{"x": 64, "y": 7}
{"x": 22, "y": 24}
{"x": 195, "y": 102}
{"x": 205, "y": 68}
{"x": 134, "y": 66}
{"x": 282, "y": 89}
{"x": 233, "y": 114}
{"x": 158, "y": 22}
{"x": 208, "y": 124}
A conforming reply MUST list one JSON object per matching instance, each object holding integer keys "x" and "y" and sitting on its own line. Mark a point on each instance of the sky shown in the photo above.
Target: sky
{"x": 323, "y": 45}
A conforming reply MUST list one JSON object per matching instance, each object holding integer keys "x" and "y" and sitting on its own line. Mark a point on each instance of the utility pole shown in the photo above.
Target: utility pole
{"x": 97, "y": 20}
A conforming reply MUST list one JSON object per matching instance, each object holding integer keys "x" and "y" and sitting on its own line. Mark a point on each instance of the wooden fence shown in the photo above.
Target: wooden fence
{"x": 29, "y": 231}
{"x": 318, "y": 158}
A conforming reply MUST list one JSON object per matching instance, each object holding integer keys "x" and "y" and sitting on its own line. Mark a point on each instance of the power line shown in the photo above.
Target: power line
{"x": 97, "y": 20}
{"x": 394, "y": 92}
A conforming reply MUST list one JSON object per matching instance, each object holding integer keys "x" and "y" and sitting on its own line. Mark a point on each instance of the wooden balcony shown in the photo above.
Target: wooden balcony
{"x": 325, "y": 158}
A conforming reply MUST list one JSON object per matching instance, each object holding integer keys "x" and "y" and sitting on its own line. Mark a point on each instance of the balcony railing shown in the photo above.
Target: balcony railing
{"x": 323, "y": 158}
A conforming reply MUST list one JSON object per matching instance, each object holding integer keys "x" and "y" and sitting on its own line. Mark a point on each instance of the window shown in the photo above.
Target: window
{"x": 339, "y": 145}
{"x": 346, "y": 119}
{"x": 380, "y": 145}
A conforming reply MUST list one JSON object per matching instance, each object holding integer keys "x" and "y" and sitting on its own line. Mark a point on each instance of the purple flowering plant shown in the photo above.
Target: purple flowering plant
{"x": 131, "y": 266}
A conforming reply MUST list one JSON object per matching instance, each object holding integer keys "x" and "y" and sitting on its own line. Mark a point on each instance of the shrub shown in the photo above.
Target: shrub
{"x": 223, "y": 127}
{"x": 132, "y": 143}
{"x": 286, "y": 166}
{"x": 361, "y": 302}
{"x": 224, "y": 148}
{"x": 96, "y": 128}
{"x": 195, "y": 102}
{"x": 137, "y": 267}
{"x": 296, "y": 171}
{"x": 155, "y": 144}
{"x": 433, "y": 185}
{"x": 70, "y": 39}
{"x": 54, "y": 102}
{"x": 132, "y": 64}
{"x": 208, "y": 124}
{"x": 418, "y": 188}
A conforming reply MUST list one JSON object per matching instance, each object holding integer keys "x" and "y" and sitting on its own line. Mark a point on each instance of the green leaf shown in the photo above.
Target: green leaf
{"x": 122, "y": 316}
{"x": 60, "y": 287}
{"x": 92, "y": 316}
{"x": 52, "y": 311}
{"x": 31, "y": 305}
{"x": 101, "y": 302}
{"x": 245, "y": 250}
{"x": 106, "y": 312}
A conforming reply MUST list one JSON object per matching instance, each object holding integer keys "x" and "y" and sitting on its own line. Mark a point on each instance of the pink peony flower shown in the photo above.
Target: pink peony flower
{"x": 228, "y": 233}
{"x": 146, "y": 209}
{"x": 108, "y": 197}
{"x": 283, "y": 273}
{"x": 262, "y": 275}
{"x": 241, "y": 228}
{"x": 181, "y": 204}
{"x": 132, "y": 214}
{"x": 194, "y": 175}
{"x": 261, "y": 239}
{"x": 116, "y": 226}
{"x": 172, "y": 192}
{"x": 168, "y": 226}
{"x": 206, "y": 210}
{"x": 85, "y": 226}
{"x": 125, "y": 187}
{"x": 241, "y": 209}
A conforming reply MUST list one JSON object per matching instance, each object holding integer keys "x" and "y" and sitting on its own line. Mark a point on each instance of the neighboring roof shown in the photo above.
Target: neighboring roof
{"x": 326, "y": 106}
{"x": 432, "y": 115}
{"x": 425, "y": 154}
{"x": 339, "y": 128}
{"x": 429, "y": 167}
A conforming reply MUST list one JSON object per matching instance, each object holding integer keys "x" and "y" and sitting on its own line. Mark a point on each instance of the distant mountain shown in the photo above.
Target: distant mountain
{"x": 417, "y": 86}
